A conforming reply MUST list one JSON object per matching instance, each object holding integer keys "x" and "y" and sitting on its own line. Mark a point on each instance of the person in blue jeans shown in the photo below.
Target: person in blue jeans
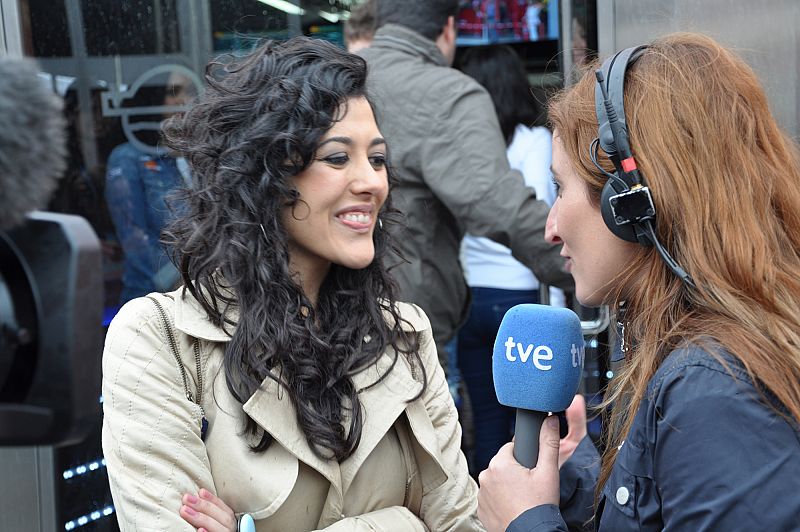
{"x": 497, "y": 280}
{"x": 686, "y": 219}
{"x": 138, "y": 184}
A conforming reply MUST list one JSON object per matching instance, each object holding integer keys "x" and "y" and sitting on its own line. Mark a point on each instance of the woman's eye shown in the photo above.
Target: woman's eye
{"x": 377, "y": 161}
{"x": 557, "y": 187}
{"x": 338, "y": 159}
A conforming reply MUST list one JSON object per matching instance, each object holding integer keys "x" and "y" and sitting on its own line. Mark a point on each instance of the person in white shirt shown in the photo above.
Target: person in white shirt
{"x": 496, "y": 279}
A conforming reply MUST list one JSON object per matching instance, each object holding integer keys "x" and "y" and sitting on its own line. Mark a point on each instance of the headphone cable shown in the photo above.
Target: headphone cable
{"x": 671, "y": 263}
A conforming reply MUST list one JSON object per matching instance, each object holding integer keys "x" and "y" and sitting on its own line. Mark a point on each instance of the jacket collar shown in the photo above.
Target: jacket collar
{"x": 402, "y": 38}
{"x": 191, "y": 318}
{"x": 382, "y": 404}
{"x": 270, "y": 407}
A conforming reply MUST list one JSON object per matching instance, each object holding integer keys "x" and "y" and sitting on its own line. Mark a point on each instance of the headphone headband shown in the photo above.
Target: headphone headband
{"x": 610, "y": 109}
{"x": 625, "y": 203}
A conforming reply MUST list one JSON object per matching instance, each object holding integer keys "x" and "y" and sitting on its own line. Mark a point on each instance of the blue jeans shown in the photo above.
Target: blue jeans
{"x": 493, "y": 422}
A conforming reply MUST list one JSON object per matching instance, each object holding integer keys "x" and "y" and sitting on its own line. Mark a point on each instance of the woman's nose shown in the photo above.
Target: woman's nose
{"x": 550, "y": 228}
{"x": 368, "y": 179}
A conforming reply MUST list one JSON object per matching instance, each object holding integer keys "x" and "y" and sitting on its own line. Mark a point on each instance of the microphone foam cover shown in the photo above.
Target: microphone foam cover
{"x": 538, "y": 358}
{"x": 32, "y": 141}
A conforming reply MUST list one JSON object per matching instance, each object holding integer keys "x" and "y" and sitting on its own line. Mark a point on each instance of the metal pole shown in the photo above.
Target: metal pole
{"x": 293, "y": 21}
{"x": 10, "y": 28}
{"x": 86, "y": 118}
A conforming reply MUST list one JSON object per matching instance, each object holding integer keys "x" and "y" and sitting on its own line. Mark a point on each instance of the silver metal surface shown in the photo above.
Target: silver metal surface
{"x": 565, "y": 42}
{"x": 10, "y": 29}
{"x": 766, "y": 34}
{"x": 86, "y": 117}
{"x": 28, "y": 502}
{"x": 597, "y": 325}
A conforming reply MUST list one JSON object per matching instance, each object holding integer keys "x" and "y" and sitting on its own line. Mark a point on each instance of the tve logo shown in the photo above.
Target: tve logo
{"x": 578, "y": 355}
{"x": 540, "y": 354}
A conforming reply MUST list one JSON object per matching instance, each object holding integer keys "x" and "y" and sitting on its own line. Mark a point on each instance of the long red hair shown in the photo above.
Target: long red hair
{"x": 726, "y": 183}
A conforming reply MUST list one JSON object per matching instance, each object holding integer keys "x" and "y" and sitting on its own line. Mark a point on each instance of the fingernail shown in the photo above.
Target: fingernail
{"x": 191, "y": 499}
{"x": 205, "y": 494}
{"x": 552, "y": 422}
{"x": 189, "y": 510}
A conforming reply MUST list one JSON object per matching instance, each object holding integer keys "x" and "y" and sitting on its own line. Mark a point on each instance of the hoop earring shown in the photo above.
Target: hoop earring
{"x": 380, "y": 224}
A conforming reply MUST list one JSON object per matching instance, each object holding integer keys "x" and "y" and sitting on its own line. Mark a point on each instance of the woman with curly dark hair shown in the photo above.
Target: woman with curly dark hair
{"x": 304, "y": 395}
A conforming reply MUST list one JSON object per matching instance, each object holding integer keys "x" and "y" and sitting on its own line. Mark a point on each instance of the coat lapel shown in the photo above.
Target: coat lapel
{"x": 382, "y": 404}
{"x": 271, "y": 408}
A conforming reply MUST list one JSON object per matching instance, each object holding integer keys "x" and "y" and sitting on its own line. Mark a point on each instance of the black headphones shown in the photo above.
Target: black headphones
{"x": 625, "y": 203}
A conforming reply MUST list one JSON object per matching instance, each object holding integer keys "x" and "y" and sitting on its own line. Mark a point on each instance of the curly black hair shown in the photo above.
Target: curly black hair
{"x": 258, "y": 124}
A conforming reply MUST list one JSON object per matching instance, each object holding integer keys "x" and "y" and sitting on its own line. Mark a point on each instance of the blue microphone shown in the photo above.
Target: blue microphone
{"x": 537, "y": 366}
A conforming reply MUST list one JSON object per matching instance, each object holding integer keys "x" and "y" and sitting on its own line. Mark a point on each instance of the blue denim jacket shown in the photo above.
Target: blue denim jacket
{"x": 136, "y": 185}
{"x": 704, "y": 453}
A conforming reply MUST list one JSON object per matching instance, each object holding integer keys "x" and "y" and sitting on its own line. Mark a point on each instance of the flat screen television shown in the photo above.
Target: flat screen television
{"x": 482, "y": 22}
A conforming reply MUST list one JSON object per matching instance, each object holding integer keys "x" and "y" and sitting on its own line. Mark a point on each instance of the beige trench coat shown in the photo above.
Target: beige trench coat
{"x": 408, "y": 472}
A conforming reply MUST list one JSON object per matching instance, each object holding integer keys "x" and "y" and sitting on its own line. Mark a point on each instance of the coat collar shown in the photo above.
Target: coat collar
{"x": 191, "y": 318}
{"x": 270, "y": 407}
{"x": 400, "y": 37}
{"x": 382, "y": 404}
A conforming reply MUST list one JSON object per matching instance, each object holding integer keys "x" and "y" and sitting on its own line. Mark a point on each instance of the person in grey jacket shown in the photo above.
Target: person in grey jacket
{"x": 450, "y": 156}
{"x": 704, "y": 432}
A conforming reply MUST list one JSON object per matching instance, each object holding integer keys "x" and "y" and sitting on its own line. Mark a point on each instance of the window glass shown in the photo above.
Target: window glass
{"x": 46, "y": 29}
{"x": 130, "y": 28}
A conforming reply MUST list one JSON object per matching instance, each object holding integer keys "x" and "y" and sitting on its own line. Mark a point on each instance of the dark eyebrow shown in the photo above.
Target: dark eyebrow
{"x": 343, "y": 140}
{"x": 348, "y": 141}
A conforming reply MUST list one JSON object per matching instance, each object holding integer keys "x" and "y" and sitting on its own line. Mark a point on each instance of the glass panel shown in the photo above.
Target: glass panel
{"x": 46, "y": 28}
{"x": 112, "y": 27}
{"x": 236, "y": 24}
{"x": 114, "y": 61}
{"x": 236, "y": 29}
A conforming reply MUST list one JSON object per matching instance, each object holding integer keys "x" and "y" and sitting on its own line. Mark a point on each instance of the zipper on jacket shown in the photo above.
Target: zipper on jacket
{"x": 184, "y": 377}
{"x": 412, "y": 365}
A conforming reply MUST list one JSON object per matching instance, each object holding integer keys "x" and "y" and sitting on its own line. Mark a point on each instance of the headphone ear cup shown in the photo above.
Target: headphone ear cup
{"x": 624, "y": 231}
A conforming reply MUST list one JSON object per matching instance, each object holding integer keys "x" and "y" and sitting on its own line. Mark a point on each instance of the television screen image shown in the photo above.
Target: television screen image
{"x": 506, "y": 21}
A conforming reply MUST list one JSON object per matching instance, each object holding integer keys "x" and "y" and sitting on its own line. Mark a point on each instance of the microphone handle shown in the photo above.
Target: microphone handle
{"x": 526, "y": 436}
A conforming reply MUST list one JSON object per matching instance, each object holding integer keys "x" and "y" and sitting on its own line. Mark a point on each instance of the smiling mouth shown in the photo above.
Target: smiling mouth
{"x": 356, "y": 217}
{"x": 357, "y": 221}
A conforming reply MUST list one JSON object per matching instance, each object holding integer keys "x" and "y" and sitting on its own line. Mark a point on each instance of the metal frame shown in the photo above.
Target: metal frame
{"x": 29, "y": 494}
{"x": 606, "y": 37}
{"x": 10, "y": 29}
